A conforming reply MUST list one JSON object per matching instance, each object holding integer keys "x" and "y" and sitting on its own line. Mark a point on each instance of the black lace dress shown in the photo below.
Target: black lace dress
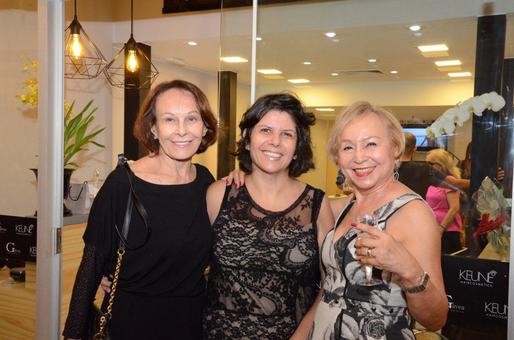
{"x": 265, "y": 268}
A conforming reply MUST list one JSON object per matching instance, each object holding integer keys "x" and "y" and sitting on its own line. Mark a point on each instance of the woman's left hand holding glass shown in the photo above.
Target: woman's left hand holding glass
{"x": 382, "y": 251}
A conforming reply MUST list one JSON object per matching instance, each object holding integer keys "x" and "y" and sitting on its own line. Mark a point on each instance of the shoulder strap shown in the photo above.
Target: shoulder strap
{"x": 132, "y": 201}
{"x": 317, "y": 199}
{"x": 344, "y": 212}
{"x": 393, "y": 206}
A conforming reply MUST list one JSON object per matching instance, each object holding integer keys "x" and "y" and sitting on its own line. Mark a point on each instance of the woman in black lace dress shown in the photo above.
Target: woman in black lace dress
{"x": 161, "y": 289}
{"x": 264, "y": 277}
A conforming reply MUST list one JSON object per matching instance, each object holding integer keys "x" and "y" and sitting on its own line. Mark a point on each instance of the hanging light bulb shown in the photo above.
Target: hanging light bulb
{"x": 131, "y": 63}
{"x": 131, "y": 67}
{"x": 76, "y": 46}
{"x": 82, "y": 59}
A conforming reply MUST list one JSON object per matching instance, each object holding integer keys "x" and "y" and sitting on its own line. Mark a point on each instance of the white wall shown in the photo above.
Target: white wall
{"x": 18, "y": 123}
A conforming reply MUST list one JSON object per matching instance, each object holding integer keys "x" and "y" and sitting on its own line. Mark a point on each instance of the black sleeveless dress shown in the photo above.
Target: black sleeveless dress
{"x": 265, "y": 268}
{"x": 161, "y": 290}
{"x": 350, "y": 311}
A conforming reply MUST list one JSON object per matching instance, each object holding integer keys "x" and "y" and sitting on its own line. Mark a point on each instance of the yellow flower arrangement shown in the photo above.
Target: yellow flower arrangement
{"x": 76, "y": 135}
{"x": 31, "y": 85}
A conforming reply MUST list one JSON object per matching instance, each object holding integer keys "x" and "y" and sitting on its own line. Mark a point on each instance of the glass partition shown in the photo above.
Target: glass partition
{"x": 18, "y": 155}
{"x": 234, "y": 77}
{"x": 333, "y": 53}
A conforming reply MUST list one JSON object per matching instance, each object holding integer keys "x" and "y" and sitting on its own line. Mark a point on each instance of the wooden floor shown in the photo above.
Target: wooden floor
{"x": 18, "y": 300}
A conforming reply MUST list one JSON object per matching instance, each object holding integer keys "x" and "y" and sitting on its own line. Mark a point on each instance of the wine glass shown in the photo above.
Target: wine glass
{"x": 368, "y": 279}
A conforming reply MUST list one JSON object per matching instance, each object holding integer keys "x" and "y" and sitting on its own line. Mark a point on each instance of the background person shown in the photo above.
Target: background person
{"x": 367, "y": 143}
{"x": 161, "y": 290}
{"x": 446, "y": 202}
{"x": 418, "y": 175}
{"x": 265, "y": 269}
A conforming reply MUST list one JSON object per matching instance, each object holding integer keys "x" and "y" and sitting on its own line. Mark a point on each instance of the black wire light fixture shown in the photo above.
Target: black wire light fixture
{"x": 82, "y": 58}
{"x": 131, "y": 67}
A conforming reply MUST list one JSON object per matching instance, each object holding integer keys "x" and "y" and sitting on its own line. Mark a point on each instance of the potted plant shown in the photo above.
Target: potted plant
{"x": 77, "y": 132}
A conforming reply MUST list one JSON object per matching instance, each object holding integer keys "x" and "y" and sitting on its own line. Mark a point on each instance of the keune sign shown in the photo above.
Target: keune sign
{"x": 477, "y": 292}
{"x": 18, "y": 237}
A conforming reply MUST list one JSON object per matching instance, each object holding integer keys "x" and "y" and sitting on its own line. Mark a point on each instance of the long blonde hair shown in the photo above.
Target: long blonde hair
{"x": 445, "y": 159}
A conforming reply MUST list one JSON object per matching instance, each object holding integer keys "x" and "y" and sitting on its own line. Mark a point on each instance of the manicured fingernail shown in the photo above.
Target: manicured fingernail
{"x": 353, "y": 224}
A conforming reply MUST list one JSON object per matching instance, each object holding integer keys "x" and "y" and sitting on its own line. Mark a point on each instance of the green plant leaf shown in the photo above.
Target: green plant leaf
{"x": 76, "y": 134}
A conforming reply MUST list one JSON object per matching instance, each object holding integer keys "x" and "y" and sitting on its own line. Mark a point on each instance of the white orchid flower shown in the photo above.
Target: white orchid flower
{"x": 461, "y": 116}
{"x": 437, "y": 128}
{"x": 450, "y": 113}
{"x": 493, "y": 101}
{"x": 479, "y": 105}
{"x": 468, "y": 105}
{"x": 447, "y": 124}
{"x": 498, "y": 102}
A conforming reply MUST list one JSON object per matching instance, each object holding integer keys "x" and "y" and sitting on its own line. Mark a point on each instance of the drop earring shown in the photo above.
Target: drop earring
{"x": 340, "y": 177}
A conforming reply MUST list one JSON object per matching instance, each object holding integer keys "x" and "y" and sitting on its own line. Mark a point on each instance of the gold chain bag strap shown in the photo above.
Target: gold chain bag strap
{"x": 132, "y": 201}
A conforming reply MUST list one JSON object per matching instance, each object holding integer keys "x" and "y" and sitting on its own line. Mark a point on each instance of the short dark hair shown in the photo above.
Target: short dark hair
{"x": 285, "y": 102}
{"x": 146, "y": 116}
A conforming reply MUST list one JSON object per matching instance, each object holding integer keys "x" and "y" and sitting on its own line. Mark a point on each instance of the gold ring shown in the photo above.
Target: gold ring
{"x": 369, "y": 252}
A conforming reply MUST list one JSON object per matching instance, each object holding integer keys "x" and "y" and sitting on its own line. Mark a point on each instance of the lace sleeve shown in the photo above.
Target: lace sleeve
{"x": 87, "y": 280}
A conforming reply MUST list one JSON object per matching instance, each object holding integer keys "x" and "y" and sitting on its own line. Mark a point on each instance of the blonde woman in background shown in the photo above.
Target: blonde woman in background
{"x": 446, "y": 202}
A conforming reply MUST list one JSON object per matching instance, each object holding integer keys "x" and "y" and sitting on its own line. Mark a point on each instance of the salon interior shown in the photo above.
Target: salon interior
{"x": 416, "y": 58}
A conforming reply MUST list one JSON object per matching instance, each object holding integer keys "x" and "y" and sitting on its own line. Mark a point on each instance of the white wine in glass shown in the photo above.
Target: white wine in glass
{"x": 368, "y": 279}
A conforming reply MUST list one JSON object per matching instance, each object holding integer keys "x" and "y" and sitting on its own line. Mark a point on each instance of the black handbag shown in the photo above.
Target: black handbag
{"x": 100, "y": 320}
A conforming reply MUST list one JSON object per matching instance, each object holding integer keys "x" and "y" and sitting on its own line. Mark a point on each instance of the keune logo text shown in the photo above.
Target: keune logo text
{"x": 496, "y": 310}
{"x": 453, "y": 306}
{"x": 476, "y": 278}
{"x": 2, "y": 228}
{"x": 24, "y": 229}
{"x": 11, "y": 248}
{"x": 33, "y": 251}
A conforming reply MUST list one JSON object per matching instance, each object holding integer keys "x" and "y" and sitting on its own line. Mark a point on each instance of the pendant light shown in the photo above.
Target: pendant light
{"x": 131, "y": 67}
{"x": 82, "y": 58}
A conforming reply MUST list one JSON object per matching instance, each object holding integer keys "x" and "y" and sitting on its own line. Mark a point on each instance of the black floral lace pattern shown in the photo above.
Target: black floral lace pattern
{"x": 265, "y": 268}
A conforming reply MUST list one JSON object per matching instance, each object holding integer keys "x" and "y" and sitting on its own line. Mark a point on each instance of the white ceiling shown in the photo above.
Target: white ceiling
{"x": 294, "y": 33}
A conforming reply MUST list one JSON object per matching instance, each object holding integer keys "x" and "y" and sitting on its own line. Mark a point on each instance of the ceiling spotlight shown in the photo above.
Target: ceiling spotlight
{"x": 414, "y": 28}
{"x": 372, "y": 60}
{"x": 393, "y": 72}
{"x": 258, "y": 38}
{"x": 330, "y": 34}
{"x": 442, "y": 63}
{"x": 335, "y": 74}
{"x": 325, "y": 109}
{"x": 192, "y": 43}
{"x": 299, "y": 81}
{"x": 307, "y": 63}
{"x": 269, "y": 71}
{"x": 459, "y": 74}
{"x": 433, "y": 48}
{"x": 234, "y": 59}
